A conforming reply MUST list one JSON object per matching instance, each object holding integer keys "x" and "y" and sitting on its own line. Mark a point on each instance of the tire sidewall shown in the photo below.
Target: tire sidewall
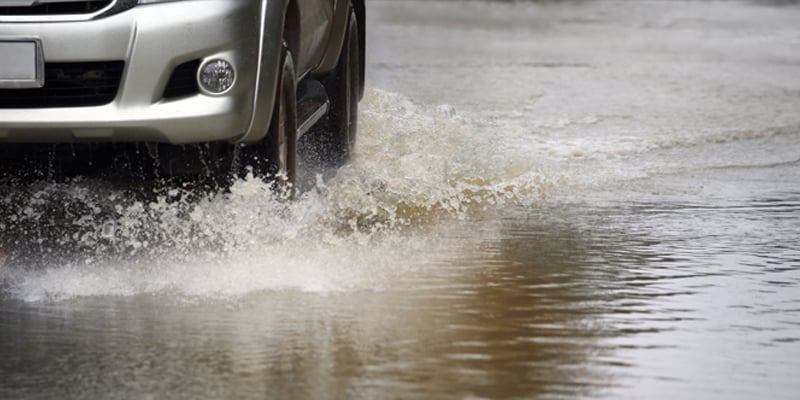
{"x": 282, "y": 136}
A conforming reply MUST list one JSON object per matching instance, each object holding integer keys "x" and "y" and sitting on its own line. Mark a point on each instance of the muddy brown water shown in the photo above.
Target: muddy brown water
{"x": 580, "y": 200}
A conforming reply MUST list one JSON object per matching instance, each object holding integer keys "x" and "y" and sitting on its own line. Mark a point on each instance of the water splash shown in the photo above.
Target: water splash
{"x": 414, "y": 167}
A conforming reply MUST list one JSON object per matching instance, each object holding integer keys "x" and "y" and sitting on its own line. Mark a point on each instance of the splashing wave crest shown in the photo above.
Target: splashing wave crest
{"x": 414, "y": 167}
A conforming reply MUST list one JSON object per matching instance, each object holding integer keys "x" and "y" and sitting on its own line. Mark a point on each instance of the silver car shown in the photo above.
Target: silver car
{"x": 185, "y": 80}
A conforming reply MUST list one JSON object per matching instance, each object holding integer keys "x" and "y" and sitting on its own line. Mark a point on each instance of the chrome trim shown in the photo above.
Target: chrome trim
{"x": 313, "y": 119}
{"x": 114, "y": 7}
{"x": 38, "y": 82}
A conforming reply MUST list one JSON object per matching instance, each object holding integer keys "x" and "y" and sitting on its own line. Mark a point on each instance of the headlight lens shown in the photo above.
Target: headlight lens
{"x": 216, "y": 76}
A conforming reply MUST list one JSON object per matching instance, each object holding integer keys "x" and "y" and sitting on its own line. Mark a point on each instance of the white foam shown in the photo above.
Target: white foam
{"x": 414, "y": 166}
{"x": 416, "y": 169}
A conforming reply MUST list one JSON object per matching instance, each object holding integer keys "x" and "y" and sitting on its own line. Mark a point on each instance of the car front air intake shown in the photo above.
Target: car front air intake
{"x": 84, "y": 84}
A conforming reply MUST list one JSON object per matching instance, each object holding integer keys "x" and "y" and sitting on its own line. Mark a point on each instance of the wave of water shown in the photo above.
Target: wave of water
{"x": 414, "y": 165}
{"x": 416, "y": 169}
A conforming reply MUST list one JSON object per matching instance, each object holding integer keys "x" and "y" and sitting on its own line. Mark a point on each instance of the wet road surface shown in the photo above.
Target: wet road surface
{"x": 582, "y": 200}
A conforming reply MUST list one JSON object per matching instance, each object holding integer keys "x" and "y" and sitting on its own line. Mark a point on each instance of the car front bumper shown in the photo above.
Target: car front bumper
{"x": 152, "y": 40}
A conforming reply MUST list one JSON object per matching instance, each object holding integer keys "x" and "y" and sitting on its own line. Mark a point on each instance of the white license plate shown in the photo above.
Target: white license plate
{"x": 21, "y": 64}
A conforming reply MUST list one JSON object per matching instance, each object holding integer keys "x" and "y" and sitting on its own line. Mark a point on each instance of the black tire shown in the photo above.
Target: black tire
{"x": 281, "y": 141}
{"x": 330, "y": 144}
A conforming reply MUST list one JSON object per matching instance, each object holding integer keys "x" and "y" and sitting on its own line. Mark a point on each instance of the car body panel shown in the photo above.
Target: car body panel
{"x": 316, "y": 18}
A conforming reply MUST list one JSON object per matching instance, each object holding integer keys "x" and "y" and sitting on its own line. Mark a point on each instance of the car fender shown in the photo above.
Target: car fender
{"x": 273, "y": 20}
{"x": 273, "y": 23}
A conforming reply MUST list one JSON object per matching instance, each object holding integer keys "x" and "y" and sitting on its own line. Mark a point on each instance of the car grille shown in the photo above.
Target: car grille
{"x": 83, "y": 84}
{"x": 57, "y": 7}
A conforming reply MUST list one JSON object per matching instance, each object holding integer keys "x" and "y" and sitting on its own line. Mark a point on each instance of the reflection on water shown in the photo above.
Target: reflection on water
{"x": 611, "y": 300}
{"x": 608, "y": 208}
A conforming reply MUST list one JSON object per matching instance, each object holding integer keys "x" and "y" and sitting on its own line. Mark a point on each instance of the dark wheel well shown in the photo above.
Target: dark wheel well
{"x": 291, "y": 28}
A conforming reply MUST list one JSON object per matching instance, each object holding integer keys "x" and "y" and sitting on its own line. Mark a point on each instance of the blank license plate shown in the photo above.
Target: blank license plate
{"x": 20, "y": 66}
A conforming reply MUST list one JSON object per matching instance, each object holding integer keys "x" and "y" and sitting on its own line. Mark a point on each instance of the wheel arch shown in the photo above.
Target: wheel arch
{"x": 275, "y": 16}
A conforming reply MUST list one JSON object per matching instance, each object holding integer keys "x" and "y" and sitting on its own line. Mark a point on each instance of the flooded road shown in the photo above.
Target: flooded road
{"x": 582, "y": 200}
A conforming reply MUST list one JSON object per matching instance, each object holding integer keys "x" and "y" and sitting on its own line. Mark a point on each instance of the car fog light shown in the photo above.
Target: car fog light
{"x": 216, "y": 76}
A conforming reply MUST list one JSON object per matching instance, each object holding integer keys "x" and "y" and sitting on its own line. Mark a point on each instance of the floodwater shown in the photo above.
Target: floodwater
{"x": 547, "y": 200}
